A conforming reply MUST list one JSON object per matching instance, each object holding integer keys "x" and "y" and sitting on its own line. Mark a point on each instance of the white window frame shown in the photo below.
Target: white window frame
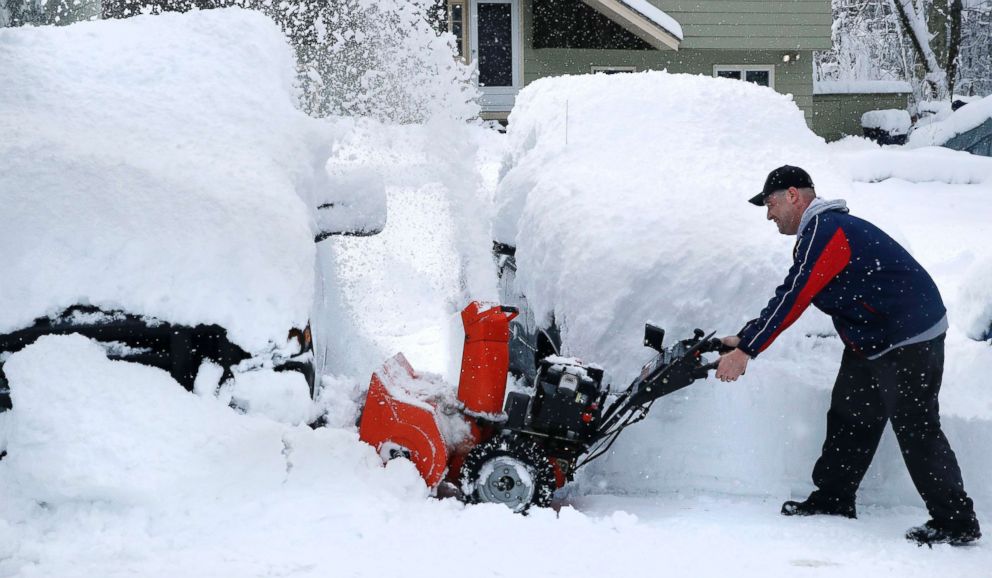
{"x": 499, "y": 98}
{"x": 466, "y": 22}
{"x": 745, "y": 68}
{"x": 595, "y": 69}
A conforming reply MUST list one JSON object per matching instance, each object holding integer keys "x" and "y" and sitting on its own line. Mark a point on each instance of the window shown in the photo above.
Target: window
{"x": 450, "y": 16}
{"x": 456, "y": 24}
{"x": 758, "y": 74}
{"x": 495, "y": 43}
{"x": 613, "y": 69}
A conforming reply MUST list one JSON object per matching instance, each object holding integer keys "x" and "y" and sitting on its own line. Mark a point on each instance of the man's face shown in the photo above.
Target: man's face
{"x": 784, "y": 210}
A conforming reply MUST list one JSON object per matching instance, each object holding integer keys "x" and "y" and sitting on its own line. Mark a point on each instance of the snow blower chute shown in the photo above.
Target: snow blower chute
{"x": 516, "y": 449}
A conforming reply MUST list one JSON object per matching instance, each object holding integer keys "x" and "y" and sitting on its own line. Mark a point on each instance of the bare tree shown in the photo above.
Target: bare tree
{"x": 975, "y": 58}
{"x": 934, "y": 30}
{"x": 868, "y": 44}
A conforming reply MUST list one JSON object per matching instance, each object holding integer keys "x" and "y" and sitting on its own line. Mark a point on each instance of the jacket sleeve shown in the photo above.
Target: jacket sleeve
{"x": 820, "y": 255}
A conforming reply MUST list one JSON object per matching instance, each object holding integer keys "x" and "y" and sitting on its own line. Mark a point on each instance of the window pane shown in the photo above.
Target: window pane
{"x": 495, "y": 48}
{"x": 458, "y": 26}
{"x": 757, "y": 77}
{"x": 735, "y": 74}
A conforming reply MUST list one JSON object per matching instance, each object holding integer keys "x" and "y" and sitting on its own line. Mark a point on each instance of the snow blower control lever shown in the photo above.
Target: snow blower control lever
{"x": 518, "y": 452}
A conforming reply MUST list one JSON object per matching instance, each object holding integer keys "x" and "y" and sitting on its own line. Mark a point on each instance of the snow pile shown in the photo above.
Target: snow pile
{"x": 869, "y": 163}
{"x": 86, "y": 428}
{"x": 640, "y": 215}
{"x": 893, "y": 121}
{"x": 158, "y": 165}
{"x": 114, "y": 470}
{"x": 944, "y": 129}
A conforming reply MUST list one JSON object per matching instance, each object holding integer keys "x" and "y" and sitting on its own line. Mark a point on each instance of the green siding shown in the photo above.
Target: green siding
{"x": 838, "y": 115}
{"x": 752, "y": 24}
{"x": 716, "y": 33}
{"x": 751, "y": 21}
{"x": 795, "y": 78}
{"x": 749, "y": 7}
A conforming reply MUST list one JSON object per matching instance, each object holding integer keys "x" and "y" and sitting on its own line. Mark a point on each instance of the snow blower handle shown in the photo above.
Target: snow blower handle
{"x": 712, "y": 344}
{"x": 703, "y": 371}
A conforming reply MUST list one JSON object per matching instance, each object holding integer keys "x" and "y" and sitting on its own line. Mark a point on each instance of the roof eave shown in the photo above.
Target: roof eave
{"x": 636, "y": 23}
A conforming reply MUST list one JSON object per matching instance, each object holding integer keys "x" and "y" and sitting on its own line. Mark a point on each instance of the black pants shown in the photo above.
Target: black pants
{"x": 900, "y": 386}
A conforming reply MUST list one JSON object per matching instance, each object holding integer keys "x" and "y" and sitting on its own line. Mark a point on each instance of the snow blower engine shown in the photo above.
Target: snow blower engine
{"x": 518, "y": 452}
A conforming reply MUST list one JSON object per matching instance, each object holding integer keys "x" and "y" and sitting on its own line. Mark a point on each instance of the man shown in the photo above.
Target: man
{"x": 890, "y": 316}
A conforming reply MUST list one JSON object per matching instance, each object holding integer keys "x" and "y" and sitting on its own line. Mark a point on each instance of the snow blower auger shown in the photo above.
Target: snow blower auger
{"x": 518, "y": 452}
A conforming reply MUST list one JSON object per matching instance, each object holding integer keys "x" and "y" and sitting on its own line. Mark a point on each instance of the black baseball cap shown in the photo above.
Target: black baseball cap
{"x": 780, "y": 179}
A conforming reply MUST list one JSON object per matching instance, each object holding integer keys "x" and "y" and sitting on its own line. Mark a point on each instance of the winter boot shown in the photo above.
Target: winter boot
{"x": 953, "y": 533}
{"x": 818, "y": 504}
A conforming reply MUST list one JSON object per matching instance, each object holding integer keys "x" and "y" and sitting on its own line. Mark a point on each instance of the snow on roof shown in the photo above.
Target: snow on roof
{"x": 861, "y": 87}
{"x": 156, "y": 165}
{"x": 656, "y": 15}
{"x": 960, "y": 121}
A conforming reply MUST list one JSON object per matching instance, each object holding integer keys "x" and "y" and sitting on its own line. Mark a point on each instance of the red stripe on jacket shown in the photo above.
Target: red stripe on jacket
{"x": 832, "y": 260}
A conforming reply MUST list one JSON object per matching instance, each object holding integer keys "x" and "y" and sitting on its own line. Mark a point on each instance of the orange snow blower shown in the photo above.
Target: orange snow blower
{"x": 515, "y": 449}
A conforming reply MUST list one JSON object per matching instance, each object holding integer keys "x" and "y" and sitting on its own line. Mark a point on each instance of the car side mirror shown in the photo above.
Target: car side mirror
{"x": 653, "y": 337}
{"x": 352, "y": 203}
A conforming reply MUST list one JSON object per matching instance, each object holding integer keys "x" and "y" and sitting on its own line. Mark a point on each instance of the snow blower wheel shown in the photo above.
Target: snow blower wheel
{"x": 513, "y": 471}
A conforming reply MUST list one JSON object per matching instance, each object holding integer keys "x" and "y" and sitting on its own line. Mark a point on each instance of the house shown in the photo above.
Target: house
{"x": 514, "y": 42}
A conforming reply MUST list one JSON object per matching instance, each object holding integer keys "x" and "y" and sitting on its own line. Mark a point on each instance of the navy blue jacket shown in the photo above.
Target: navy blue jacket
{"x": 879, "y": 297}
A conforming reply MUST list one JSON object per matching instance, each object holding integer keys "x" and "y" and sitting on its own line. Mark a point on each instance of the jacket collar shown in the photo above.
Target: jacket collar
{"x": 819, "y": 206}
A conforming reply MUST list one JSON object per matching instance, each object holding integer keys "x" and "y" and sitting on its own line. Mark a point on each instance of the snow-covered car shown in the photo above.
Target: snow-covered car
{"x": 163, "y": 194}
{"x": 640, "y": 213}
{"x": 625, "y": 197}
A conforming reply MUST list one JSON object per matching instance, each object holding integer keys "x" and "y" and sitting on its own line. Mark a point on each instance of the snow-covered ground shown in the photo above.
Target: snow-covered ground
{"x": 113, "y": 469}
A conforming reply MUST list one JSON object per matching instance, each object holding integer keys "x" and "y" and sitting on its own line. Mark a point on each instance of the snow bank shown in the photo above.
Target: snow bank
{"x": 86, "y": 428}
{"x": 158, "y": 165}
{"x": 870, "y": 163}
{"x": 640, "y": 215}
{"x": 114, "y": 470}
{"x": 960, "y": 121}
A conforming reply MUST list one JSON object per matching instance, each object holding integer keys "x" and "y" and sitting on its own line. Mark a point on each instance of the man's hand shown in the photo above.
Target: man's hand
{"x": 732, "y": 365}
{"x": 730, "y": 341}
